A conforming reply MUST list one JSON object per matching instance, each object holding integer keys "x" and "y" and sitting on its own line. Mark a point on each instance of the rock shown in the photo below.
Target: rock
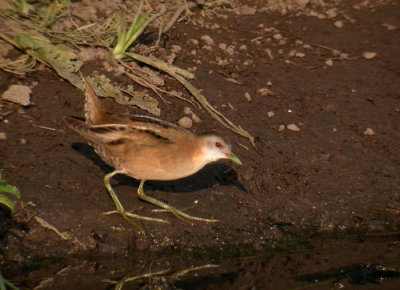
{"x": 185, "y": 122}
{"x": 281, "y": 128}
{"x": 3, "y": 136}
{"x": 369, "y": 132}
{"x": 18, "y": 94}
{"x": 293, "y": 127}
{"x": 270, "y": 114}
{"x": 247, "y": 96}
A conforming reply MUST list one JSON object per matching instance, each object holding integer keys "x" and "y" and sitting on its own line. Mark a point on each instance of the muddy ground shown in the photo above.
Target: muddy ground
{"x": 323, "y": 196}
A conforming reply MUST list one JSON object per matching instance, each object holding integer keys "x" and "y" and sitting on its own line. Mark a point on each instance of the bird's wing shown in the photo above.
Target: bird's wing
{"x": 139, "y": 134}
{"x": 155, "y": 126}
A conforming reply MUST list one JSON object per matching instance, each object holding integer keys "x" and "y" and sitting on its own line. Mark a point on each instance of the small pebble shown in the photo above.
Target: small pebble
{"x": 207, "y": 39}
{"x": 269, "y": 83}
{"x": 176, "y": 48}
{"x": 281, "y": 128}
{"x": 368, "y": 54}
{"x": 185, "y": 122}
{"x": 247, "y": 96}
{"x": 277, "y": 36}
{"x": 338, "y": 24}
{"x": 195, "y": 118}
{"x": 298, "y": 42}
{"x": 329, "y": 62}
{"x": 264, "y": 92}
{"x": 222, "y": 46}
{"x": 270, "y": 114}
{"x": 230, "y": 50}
{"x": 232, "y": 107}
{"x": 22, "y": 141}
{"x": 3, "y": 136}
{"x": 369, "y": 132}
{"x": 293, "y": 127}
{"x": 331, "y": 13}
{"x": 248, "y": 62}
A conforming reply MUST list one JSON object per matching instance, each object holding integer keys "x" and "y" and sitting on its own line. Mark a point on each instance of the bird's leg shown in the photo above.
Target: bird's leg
{"x": 176, "y": 212}
{"x": 120, "y": 209}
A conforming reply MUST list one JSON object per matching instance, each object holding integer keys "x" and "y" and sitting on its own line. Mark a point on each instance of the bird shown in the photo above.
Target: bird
{"x": 146, "y": 148}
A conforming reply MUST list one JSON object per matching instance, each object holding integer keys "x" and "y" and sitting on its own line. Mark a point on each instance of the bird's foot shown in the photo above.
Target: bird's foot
{"x": 180, "y": 214}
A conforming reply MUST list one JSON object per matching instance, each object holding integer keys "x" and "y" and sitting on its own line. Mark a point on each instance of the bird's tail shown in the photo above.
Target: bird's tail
{"x": 94, "y": 110}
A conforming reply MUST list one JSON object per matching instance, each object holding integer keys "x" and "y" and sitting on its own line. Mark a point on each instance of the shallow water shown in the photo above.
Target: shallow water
{"x": 322, "y": 262}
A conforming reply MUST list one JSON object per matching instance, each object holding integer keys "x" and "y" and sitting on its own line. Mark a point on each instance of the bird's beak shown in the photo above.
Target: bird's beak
{"x": 234, "y": 158}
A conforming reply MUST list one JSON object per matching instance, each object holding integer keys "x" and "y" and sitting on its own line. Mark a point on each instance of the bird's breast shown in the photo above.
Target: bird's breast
{"x": 170, "y": 164}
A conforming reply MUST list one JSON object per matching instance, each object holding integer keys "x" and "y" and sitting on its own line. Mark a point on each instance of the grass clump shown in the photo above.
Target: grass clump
{"x": 5, "y": 284}
{"x": 125, "y": 37}
{"x": 9, "y": 189}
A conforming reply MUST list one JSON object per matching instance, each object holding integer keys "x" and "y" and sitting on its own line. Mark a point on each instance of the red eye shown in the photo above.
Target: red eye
{"x": 218, "y": 145}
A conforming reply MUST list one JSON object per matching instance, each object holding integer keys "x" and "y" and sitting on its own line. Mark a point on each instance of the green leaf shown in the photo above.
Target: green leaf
{"x": 11, "y": 189}
{"x": 7, "y": 202}
{"x": 60, "y": 57}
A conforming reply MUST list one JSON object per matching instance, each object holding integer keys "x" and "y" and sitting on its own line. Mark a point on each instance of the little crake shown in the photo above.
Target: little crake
{"x": 146, "y": 148}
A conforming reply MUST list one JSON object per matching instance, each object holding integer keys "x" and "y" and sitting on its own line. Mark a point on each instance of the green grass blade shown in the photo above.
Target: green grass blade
{"x": 139, "y": 29}
{"x": 135, "y": 20}
{"x": 4, "y": 283}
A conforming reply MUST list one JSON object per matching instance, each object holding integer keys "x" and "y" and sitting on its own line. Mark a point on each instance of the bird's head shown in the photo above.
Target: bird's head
{"x": 215, "y": 147}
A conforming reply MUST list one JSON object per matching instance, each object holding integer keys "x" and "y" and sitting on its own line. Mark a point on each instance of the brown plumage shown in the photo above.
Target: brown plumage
{"x": 146, "y": 148}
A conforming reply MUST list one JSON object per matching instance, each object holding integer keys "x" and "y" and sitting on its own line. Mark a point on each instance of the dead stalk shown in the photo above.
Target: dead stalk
{"x": 179, "y": 75}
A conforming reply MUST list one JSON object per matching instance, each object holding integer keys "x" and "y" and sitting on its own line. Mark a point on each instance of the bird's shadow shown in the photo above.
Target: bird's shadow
{"x": 209, "y": 176}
